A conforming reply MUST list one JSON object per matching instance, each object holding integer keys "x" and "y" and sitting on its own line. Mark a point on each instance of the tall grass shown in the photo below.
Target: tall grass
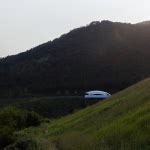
{"x": 119, "y": 123}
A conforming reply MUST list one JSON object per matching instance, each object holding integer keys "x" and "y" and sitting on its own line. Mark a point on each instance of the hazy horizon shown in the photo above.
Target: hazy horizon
{"x": 28, "y": 23}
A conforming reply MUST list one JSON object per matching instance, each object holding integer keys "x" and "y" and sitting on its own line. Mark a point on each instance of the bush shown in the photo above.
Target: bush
{"x": 32, "y": 119}
{"x": 23, "y": 144}
{"x": 13, "y": 119}
{"x": 18, "y": 119}
{"x": 6, "y": 136}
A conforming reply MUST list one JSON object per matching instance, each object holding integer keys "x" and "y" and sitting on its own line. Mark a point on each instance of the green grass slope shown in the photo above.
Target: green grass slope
{"x": 119, "y": 123}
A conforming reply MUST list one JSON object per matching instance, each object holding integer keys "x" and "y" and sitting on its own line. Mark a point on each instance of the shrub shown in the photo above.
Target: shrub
{"x": 13, "y": 119}
{"x": 32, "y": 119}
{"x": 23, "y": 144}
{"x": 6, "y": 136}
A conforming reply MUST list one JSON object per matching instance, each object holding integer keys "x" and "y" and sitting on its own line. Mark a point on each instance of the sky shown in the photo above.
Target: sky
{"x": 25, "y": 24}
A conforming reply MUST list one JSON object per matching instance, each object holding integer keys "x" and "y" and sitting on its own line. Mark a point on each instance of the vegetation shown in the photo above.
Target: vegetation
{"x": 103, "y": 55}
{"x": 51, "y": 107}
{"x": 121, "y": 122}
{"x": 13, "y": 119}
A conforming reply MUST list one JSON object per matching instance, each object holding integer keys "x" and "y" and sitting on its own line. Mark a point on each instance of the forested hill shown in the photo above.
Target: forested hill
{"x": 102, "y": 55}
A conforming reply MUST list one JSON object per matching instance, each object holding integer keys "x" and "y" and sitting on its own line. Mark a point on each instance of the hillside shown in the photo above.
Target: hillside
{"x": 102, "y": 55}
{"x": 121, "y": 122}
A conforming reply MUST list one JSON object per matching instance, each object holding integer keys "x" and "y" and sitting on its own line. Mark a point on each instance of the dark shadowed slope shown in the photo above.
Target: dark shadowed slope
{"x": 103, "y": 55}
{"x": 121, "y": 122}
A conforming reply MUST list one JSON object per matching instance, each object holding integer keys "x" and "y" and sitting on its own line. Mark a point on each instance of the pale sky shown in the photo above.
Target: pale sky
{"x": 27, "y": 23}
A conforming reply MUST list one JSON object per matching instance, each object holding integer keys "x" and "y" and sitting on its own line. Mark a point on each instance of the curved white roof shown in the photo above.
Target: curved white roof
{"x": 96, "y": 92}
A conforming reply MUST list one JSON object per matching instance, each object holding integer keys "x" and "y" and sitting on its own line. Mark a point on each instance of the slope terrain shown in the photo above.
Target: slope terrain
{"x": 121, "y": 122}
{"x": 102, "y": 55}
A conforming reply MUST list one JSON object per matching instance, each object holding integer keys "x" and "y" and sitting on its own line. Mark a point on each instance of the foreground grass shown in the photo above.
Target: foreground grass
{"x": 121, "y": 122}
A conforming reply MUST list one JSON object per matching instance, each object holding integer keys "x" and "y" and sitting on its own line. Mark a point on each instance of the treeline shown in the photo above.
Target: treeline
{"x": 50, "y": 107}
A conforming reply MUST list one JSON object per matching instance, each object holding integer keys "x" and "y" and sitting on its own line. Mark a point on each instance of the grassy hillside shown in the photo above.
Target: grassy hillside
{"x": 121, "y": 122}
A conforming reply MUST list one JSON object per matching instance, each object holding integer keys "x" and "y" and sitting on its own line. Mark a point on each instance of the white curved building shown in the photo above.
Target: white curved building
{"x": 96, "y": 95}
